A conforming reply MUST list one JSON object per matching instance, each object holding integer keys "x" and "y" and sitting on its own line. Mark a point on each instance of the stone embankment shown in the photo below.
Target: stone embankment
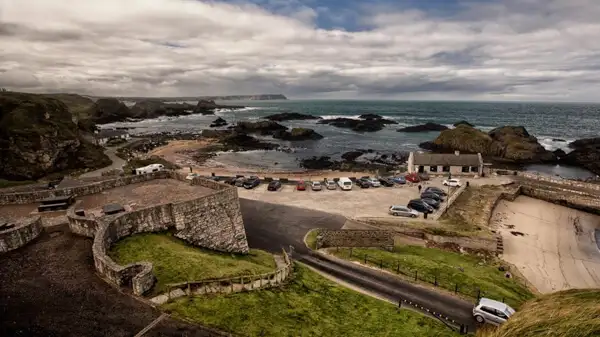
{"x": 355, "y": 238}
{"x": 20, "y": 234}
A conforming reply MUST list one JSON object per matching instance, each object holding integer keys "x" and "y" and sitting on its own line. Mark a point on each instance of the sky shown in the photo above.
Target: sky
{"x": 515, "y": 50}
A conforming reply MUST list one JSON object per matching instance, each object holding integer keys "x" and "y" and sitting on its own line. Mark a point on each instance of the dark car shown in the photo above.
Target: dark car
{"x": 420, "y": 206}
{"x": 252, "y": 182}
{"x": 423, "y": 176}
{"x": 387, "y": 182}
{"x": 431, "y": 202}
{"x": 435, "y": 190}
{"x": 363, "y": 183}
{"x": 431, "y": 195}
{"x": 274, "y": 185}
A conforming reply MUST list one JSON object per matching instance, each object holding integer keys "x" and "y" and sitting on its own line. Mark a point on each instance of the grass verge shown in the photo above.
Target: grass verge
{"x": 309, "y": 305}
{"x": 311, "y": 238}
{"x": 176, "y": 261}
{"x": 452, "y": 271}
{"x": 573, "y": 313}
{"x": 13, "y": 183}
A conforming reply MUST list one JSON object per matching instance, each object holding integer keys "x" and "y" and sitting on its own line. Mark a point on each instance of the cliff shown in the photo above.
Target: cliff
{"x": 38, "y": 137}
{"x": 109, "y": 110}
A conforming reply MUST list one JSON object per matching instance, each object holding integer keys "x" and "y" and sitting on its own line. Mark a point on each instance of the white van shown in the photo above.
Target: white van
{"x": 345, "y": 184}
{"x": 149, "y": 169}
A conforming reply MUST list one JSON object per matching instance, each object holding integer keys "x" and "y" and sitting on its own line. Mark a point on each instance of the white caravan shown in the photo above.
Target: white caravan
{"x": 345, "y": 184}
{"x": 149, "y": 169}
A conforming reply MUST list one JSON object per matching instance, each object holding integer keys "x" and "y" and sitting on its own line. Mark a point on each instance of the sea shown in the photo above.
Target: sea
{"x": 554, "y": 124}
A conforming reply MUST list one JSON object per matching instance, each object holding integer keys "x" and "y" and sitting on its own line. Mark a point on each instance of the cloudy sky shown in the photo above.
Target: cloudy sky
{"x": 541, "y": 50}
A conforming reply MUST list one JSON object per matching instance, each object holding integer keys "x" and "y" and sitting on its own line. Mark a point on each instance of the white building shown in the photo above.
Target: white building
{"x": 103, "y": 136}
{"x": 442, "y": 163}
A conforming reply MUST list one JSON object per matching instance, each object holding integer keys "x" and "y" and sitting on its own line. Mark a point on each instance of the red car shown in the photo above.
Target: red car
{"x": 301, "y": 186}
{"x": 412, "y": 177}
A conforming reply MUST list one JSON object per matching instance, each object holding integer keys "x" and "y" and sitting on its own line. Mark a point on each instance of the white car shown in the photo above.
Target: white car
{"x": 403, "y": 211}
{"x": 191, "y": 176}
{"x": 452, "y": 182}
{"x": 374, "y": 182}
{"x": 492, "y": 311}
{"x": 330, "y": 184}
{"x": 316, "y": 186}
{"x": 345, "y": 184}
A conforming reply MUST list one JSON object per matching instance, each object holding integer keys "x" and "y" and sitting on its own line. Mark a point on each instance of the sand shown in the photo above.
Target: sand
{"x": 557, "y": 250}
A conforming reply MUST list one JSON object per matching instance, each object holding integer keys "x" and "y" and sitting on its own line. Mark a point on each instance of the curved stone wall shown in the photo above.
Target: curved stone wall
{"x": 21, "y": 234}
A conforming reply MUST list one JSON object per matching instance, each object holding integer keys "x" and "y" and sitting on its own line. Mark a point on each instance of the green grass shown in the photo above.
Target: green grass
{"x": 311, "y": 239}
{"x": 430, "y": 263}
{"x": 175, "y": 261}
{"x": 12, "y": 183}
{"x": 309, "y": 305}
{"x": 572, "y": 313}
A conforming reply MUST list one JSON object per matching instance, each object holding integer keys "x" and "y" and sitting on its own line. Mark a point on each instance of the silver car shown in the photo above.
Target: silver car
{"x": 492, "y": 312}
{"x": 403, "y": 211}
{"x": 331, "y": 185}
{"x": 316, "y": 186}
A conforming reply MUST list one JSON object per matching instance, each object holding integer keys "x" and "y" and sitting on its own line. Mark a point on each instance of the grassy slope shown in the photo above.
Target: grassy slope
{"x": 430, "y": 262}
{"x": 309, "y": 305}
{"x": 175, "y": 261}
{"x": 571, "y": 313}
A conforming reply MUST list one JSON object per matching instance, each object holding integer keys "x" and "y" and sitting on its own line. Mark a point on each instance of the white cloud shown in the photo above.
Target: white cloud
{"x": 511, "y": 49}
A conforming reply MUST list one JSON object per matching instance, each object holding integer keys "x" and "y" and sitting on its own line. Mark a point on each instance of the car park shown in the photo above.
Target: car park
{"x": 400, "y": 180}
{"x": 452, "y": 182}
{"x": 397, "y": 210}
{"x": 492, "y": 311}
{"x": 330, "y": 184}
{"x": 363, "y": 183}
{"x": 420, "y": 206}
{"x": 274, "y": 185}
{"x": 431, "y": 195}
{"x": 374, "y": 182}
{"x": 252, "y": 182}
{"x": 301, "y": 186}
{"x": 345, "y": 183}
{"x": 387, "y": 182}
{"x": 431, "y": 202}
{"x": 316, "y": 186}
{"x": 436, "y": 190}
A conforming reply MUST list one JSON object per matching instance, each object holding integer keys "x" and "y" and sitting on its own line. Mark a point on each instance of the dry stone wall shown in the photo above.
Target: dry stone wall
{"x": 18, "y": 236}
{"x": 355, "y": 238}
{"x": 451, "y": 199}
{"x": 553, "y": 180}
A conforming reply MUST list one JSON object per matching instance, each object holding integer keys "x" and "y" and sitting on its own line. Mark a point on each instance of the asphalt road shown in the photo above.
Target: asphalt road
{"x": 271, "y": 227}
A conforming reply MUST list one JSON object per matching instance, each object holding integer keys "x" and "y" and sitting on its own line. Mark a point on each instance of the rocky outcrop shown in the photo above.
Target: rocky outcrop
{"x": 508, "y": 143}
{"x": 154, "y": 108}
{"x": 290, "y": 116}
{"x": 352, "y": 155}
{"x": 297, "y": 134}
{"x": 261, "y": 127}
{"x": 463, "y": 123}
{"x": 109, "y": 110}
{"x": 208, "y": 107}
{"x": 38, "y": 137}
{"x": 318, "y": 163}
{"x": 358, "y": 160}
{"x": 365, "y": 123}
{"x": 424, "y": 128}
{"x": 243, "y": 142}
{"x": 586, "y": 153}
{"x": 218, "y": 123}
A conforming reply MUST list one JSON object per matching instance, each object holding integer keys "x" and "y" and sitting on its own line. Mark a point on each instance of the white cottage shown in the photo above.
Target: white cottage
{"x": 445, "y": 163}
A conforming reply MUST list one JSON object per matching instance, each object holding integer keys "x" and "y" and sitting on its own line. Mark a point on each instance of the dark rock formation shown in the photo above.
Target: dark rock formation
{"x": 586, "y": 153}
{"x": 507, "y": 143}
{"x": 297, "y": 134}
{"x": 558, "y": 140}
{"x": 218, "y": 123}
{"x": 154, "y": 108}
{"x": 38, "y": 137}
{"x": 463, "y": 123}
{"x": 352, "y": 155}
{"x": 207, "y": 107}
{"x": 289, "y": 116}
{"x": 424, "y": 128}
{"x": 243, "y": 142}
{"x": 261, "y": 127}
{"x": 559, "y": 153}
{"x": 318, "y": 163}
{"x": 366, "y": 123}
{"x": 109, "y": 110}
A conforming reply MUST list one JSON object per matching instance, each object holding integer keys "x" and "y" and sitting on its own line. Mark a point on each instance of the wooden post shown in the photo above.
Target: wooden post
{"x": 398, "y": 268}
{"x": 365, "y": 258}
{"x": 189, "y": 290}
{"x": 416, "y": 275}
{"x": 456, "y": 288}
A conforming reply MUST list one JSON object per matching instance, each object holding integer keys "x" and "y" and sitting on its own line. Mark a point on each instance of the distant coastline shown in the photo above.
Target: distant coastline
{"x": 258, "y": 97}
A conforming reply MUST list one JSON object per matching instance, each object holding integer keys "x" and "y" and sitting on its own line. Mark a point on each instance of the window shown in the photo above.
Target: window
{"x": 501, "y": 314}
{"x": 432, "y": 168}
{"x": 474, "y": 169}
{"x": 489, "y": 310}
{"x": 421, "y": 169}
{"x": 465, "y": 169}
{"x": 446, "y": 169}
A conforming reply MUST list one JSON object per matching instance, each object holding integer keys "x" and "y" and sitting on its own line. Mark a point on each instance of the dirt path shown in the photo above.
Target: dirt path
{"x": 553, "y": 246}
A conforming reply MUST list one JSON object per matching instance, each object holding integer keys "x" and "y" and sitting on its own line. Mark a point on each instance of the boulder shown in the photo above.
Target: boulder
{"x": 297, "y": 134}
{"x": 317, "y": 163}
{"x": 109, "y": 110}
{"x": 207, "y": 107}
{"x": 424, "y": 128}
{"x": 370, "y": 116}
{"x": 243, "y": 142}
{"x": 218, "y": 123}
{"x": 586, "y": 154}
{"x": 289, "y": 116}
{"x": 463, "y": 123}
{"x": 352, "y": 155}
{"x": 38, "y": 137}
{"x": 360, "y": 125}
{"x": 261, "y": 127}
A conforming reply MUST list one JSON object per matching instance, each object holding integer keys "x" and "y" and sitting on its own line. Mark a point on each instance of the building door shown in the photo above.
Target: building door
{"x": 421, "y": 169}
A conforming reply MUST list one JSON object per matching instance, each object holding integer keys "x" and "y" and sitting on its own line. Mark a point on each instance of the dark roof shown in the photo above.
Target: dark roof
{"x": 112, "y": 208}
{"x": 446, "y": 159}
{"x": 111, "y": 133}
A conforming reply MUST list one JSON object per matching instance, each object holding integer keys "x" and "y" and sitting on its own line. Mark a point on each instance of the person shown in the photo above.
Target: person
{"x": 419, "y": 187}
{"x": 190, "y": 169}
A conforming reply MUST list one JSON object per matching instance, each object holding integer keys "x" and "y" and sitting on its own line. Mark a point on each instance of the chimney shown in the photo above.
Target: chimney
{"x": 457, "y": 153}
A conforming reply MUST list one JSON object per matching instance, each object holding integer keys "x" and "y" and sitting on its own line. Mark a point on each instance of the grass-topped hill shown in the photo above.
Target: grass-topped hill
{"x": 571, "y": 313}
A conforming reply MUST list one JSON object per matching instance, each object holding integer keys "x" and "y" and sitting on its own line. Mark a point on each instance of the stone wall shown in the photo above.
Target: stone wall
{"x": 81, "y": 225}
{"x": 18, "y": 236}
{"x": 464, "y": 242}
{"x": 565, "y": 197}
{"x": 355, "y": 238}
{"x": 560, "y": 181}
{"x": 451, "y": 199}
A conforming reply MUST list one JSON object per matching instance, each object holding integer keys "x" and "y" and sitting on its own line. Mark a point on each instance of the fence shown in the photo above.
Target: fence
{"x": 396, "y": 267}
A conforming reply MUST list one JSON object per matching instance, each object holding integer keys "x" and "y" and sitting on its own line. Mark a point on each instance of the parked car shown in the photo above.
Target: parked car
{"x": 403, "y": 211}
{"x": 374, "y": 182}
{"x": 191, "y": 176}
{"x": 452, "y": 182}
{"x": 274, "y": 185}
{"x": 412, "y": 177}
{"x": 492, "y": 311}
{"x": 387, "y": 182}
{"x": 301, "y": 186}
{"x": 424, "y": 176}
{"x": 363, "y": 183}
{"x": 252, "y": 182}
{"x": 330, "y": 184}
{"x": 345, "y": 183}
{"x": 239, "y": 181}
{"x": 399, "y": 180}
{"x": 316, "y": 186}
{"x": 436, "y": 190}
{"x": 230, "y": 180}
{"x": 431, "y": 195}
{"x": 431, "y": 202}
{"x": 420, "y": 206}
